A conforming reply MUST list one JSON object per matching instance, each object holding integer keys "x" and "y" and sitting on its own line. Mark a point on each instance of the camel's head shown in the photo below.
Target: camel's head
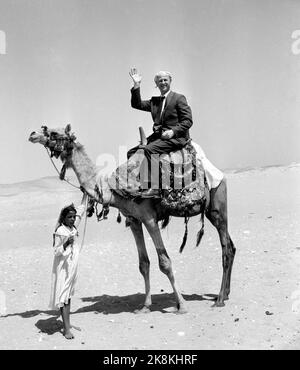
{"x": 60, "y": 142}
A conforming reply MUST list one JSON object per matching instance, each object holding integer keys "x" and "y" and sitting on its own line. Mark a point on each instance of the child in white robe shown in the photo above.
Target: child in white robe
{"x": 65, "y": 263}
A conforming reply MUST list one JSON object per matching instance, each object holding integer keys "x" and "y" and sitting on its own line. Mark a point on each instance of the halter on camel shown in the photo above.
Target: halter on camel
{"x": 62, "y": 145}
{"x": 58, "y": 145}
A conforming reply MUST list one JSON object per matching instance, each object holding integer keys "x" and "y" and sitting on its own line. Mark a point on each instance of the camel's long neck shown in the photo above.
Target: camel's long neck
{"x": 85, "y": 171}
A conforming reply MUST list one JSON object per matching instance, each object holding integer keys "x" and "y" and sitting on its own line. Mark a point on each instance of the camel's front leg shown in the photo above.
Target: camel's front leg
{"x": 165, "y": 264}
{"x": 144, "y": 263}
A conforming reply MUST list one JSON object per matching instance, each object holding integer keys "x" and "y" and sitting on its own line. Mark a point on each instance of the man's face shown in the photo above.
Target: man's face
{"x": 164, "y": 83}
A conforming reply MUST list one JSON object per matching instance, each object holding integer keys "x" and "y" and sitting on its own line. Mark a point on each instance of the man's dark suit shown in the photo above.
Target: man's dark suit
{"x": 176, "y": 116}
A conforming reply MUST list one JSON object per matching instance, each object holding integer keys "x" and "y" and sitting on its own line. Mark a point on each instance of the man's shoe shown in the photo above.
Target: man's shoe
{"x": 150, "y": 193}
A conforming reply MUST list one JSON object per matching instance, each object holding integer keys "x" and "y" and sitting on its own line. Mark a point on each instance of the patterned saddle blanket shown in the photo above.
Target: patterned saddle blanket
{"x": 181, "y": 177}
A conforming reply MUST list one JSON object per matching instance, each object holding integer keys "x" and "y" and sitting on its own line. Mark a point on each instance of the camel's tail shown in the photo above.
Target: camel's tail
{"x": 199, "y": 234}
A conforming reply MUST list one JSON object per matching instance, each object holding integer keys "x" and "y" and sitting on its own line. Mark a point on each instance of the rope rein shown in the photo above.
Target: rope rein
{"x": 85, "y": 223}
{"x": 90, "y": 200}
{"x": 75, "y": 186}
{"x": 102, "y": 215}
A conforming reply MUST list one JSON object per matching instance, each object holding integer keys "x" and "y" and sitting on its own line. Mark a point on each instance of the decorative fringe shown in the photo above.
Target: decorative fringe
{"x": 201, "y": 231}
{"x": 165, "y": 222}
{"x": 127, "y": 222}
{"x": 99, "y": 215}
{"x": 119, "y": 219}
{"x": 63, "y": 172}
{"x": 186, "y": 220}
{"x": 105, "y": 212}
{"x": 90, "y": 208}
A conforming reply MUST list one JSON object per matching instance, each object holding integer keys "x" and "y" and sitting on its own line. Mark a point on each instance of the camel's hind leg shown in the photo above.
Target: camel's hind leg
{"x": 164, "y": 260}
{"x": 144, "y": 263}
{"x": 217, "y": 214}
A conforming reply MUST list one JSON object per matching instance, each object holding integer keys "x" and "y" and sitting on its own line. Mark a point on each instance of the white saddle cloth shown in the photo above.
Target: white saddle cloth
{"x": 213, "y": 175}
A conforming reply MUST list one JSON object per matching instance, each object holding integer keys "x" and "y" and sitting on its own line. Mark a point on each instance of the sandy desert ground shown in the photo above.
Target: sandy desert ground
{"x": 264, "y": 307}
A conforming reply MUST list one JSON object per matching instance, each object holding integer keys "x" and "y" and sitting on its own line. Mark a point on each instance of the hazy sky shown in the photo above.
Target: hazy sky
{"x": 67, "y": 61}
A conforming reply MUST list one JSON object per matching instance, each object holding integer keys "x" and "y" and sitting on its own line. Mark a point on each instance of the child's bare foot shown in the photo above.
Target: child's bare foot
{"x": 68, "y": 335}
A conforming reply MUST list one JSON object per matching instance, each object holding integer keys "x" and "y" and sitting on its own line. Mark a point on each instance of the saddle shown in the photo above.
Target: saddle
{"x": 183, "y": 185}
{"x": 185, "y": 195}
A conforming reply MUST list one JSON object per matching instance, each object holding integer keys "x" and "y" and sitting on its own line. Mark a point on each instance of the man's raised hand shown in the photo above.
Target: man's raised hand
{"x": 136, "y": 77}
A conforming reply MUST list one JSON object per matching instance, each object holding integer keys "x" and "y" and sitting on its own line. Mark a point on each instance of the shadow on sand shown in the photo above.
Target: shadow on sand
{"x": 106, "y": 305}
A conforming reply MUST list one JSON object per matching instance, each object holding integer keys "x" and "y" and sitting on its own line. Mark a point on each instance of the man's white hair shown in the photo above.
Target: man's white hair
{"x": 160, "y": 74}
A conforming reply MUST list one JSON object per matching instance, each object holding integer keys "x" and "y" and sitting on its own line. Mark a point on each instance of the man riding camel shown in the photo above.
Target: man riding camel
{"x": 172, "y": 117}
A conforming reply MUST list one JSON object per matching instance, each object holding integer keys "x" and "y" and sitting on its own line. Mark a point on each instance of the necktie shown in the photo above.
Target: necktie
{"x": 162, "y": 98}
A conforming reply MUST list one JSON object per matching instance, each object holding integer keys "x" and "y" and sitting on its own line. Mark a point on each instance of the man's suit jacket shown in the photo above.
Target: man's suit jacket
{"x": 177, "y": 114}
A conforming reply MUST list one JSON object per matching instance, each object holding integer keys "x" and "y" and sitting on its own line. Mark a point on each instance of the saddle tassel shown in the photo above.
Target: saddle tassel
{"x": 165, "y": 222}
{"x": 119, "y": 219}
{"x": 201, "y": 231}
{"x": 186, "y": 220}
{"x": 63, "y": 172}
{"x": 99, "y": 215}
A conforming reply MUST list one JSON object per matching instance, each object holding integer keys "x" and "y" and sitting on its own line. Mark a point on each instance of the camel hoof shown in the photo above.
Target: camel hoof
{"x": 181, "y": 310}
{"x": 143, "y": 310}
{"x": 218, "y": 304}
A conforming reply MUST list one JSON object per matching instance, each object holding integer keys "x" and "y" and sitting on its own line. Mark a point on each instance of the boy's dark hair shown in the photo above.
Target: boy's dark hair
{"x": 64, "y": 212}
{"x": 62, "y": 216}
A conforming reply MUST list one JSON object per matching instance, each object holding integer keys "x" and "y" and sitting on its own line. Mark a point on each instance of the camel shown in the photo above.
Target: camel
{"x": 63, "y": 144}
